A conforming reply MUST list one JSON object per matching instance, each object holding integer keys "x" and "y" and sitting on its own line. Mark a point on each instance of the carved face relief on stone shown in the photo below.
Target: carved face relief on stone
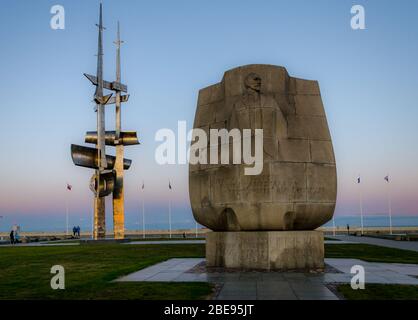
{"x": 256, "y": 110}
{"x": 296, "y": 189}
{"x": 253, "y": 82}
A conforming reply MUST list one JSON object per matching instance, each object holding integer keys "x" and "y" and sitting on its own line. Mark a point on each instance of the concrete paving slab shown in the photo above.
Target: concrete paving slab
{"x": 275, "y": 285}
{"x": 403, "y": 245}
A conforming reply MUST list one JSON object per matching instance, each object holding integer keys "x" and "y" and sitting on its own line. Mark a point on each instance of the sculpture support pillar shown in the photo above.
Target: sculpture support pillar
{"x": 118, "y": 197}
{"x": 266, "y": 250}
{"x": 99, "y": 230}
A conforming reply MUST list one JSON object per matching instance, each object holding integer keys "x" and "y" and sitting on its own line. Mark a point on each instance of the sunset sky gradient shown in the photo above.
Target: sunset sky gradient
{"x": 368, "y": 80}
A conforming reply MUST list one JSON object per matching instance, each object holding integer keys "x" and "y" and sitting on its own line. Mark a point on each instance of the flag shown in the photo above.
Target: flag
{"x": 387, "y": 178}
{"x": 169, "y": 185}
{"x": 69, "y": 187}
{"x": 358, "y": 180}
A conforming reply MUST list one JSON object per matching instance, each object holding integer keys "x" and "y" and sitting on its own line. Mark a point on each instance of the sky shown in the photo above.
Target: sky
{"x": 368, "y": 80}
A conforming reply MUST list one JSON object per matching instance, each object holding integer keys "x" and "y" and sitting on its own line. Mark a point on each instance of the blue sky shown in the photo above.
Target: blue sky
{"x": 368, "y": 80}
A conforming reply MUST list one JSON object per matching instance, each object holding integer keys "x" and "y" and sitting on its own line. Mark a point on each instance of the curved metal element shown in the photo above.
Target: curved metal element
{"x": 106, "y": 185}
{"x": 116, "y": 86}
{"x": 127, "y": 138}
{"x": 88, "y": 158}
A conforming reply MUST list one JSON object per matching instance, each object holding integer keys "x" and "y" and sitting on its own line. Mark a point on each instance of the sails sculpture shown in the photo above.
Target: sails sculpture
{"x": 109, "y": 170}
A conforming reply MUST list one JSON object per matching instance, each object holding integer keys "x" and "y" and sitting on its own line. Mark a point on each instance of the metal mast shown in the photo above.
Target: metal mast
{"x": 118, "y": 192}
{"x": 98, "y": 97}
{"x": 99, "y": 230}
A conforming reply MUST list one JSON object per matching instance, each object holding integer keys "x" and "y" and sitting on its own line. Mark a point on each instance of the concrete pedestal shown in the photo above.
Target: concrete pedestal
{"x": 118, "y": 196}
{"x": 266, "y": 250}
{"x": 99, "y": 230}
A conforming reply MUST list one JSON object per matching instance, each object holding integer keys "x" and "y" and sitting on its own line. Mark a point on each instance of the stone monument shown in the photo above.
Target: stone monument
{"x": 266, "y": 221}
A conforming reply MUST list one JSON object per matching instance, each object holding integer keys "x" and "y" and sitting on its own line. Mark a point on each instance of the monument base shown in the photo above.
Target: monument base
{"x": 266, "y": 250}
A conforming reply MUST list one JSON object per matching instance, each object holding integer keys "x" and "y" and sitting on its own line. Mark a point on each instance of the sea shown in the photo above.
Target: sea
{"x": 58, "y": 224}
{"x": 374, "y": 221}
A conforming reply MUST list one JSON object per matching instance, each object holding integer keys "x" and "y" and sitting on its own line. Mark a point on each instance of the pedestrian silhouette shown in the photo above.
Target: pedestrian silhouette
{"x": 12, "y": 237}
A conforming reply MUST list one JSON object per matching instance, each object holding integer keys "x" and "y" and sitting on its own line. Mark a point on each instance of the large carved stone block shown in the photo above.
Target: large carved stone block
{"x": 296, "y": 189}
{"x": 288, "y": 250}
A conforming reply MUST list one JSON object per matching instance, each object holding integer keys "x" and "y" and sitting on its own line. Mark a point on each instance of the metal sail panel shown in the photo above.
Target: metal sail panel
{"x": 115, "y": 86}
{"x": 88, "y": 158}
{"x": 127, "y": 138}
{"x": 123, "y": 98}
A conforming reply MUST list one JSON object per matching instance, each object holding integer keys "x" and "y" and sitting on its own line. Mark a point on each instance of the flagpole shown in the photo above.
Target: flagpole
{"x": 389, "y": 207}
{"x": 1, "y": 217}
{"x": 139, "y": 217}
{"x": 139, "y": 223}
{"x": 68, "y": 188}
{"x": 169, "y": 207}
{"x": 361, "y": 212}
{"x": 390, "y": 214}
{"x": 92, "y": 225}
{"x": 169, "y": 214}
{"x": 143, "y": 219}
{"x": 66, "y": 217}
{"x": 361, "y": 206}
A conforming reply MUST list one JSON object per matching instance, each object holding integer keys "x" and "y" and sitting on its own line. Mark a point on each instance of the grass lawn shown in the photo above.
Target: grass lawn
{"x": 380, "y": 292}
{"x": 370, "y": 253}
{"x": 166, "y": 239}
{"x": 375, "y": 254}
{"x": 61, "y": 241}
{"x": 89, "y": 270}
{"x": 130, "y": 240}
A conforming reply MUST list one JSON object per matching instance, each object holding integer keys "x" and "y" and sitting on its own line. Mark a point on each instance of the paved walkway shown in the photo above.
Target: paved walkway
{"x": 276, "y": 285}
{"x": 237, "y": 285}
{"x": 338, "y": 242}
{"x": 169, "y": 242}
{"x": 405, "y": 245}
{"x": 375, "y": 272}
{"x": 49, "y": 244}
{"x": 40, "y": 244}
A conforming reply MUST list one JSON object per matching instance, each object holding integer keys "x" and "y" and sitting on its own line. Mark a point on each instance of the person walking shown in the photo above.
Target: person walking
{"x": 16, "y": 235}
{"x": 12, "y": 237}
{"x": 78, "y": 231}
{"x": 348, "y": 229}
